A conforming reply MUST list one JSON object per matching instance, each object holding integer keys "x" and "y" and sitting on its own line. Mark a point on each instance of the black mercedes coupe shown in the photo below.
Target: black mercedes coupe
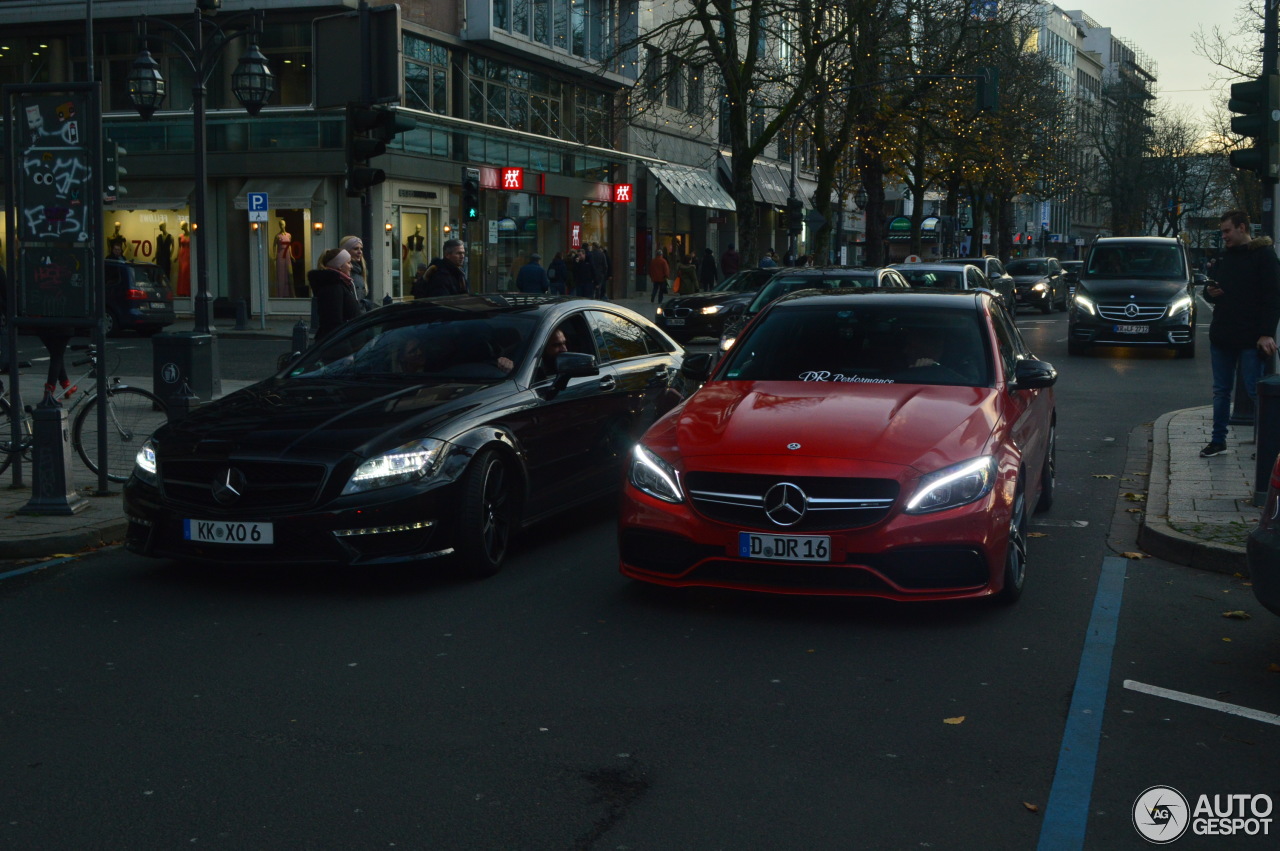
{"x": 421, "y": 430}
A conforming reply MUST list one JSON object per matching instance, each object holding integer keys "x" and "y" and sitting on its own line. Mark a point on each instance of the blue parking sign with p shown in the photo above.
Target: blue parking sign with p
{"x": 258, "y": 207}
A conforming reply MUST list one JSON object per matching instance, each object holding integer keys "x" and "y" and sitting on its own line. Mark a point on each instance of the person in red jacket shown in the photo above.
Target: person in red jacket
{"x": 659, "y": 274}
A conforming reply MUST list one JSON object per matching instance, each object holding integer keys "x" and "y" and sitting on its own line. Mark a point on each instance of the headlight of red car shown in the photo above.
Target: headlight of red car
{"x": 656, "y": 477}
{"x": 952, "y": 486}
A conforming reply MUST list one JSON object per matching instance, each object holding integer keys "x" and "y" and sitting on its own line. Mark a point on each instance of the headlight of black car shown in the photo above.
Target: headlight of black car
{"x": 144, "y": 464}
{"x": 415, "y": 460}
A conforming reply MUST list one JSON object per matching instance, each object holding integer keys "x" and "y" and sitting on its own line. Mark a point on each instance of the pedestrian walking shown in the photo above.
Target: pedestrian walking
{"x": 584, "y": 281}
{"x": 730, "y": 261}
{"x": 558, "y": 274}
{"x": 333, "y": 291}
{"x": 1245, "y": 294}
{"x": 708, "y": 275}
{"x": 687, "y": 276}
{"x": 659, "y": 272}
{"x": 445, "y": 276}
{"x": 532, "y": 278}
{"x": 354, "y": 246}
{"x": 769, "y": 260}
{"x": 599, "y": 268}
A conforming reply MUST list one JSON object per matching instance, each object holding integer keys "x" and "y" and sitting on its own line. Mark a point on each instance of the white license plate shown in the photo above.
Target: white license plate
{"x": 1132, "y": 329}
{"x": 158, "y": 305}
{"x": 227, "y": 532}
{"x": 784, "y": 547}
{"x": 675, "y": 323}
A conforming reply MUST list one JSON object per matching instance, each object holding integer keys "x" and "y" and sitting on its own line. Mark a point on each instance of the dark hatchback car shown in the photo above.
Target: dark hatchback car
{"x": 704, "y": 314}
{"x": 1040, "y": 282}
{"x": 1134, "y": 291}
{"x": 435, "y": 428}
{"x": 1263, "y": 548}
{"x": 138, "y": 299}
{"x": 791, "y": 279}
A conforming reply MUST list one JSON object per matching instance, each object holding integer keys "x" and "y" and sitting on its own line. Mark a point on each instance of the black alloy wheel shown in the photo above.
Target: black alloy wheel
{"x": 1015, "y": 561}
{"x": 486, "y": 515}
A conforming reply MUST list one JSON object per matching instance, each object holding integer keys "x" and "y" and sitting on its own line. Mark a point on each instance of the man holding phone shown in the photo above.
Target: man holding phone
{"x": 1245, "y": 294}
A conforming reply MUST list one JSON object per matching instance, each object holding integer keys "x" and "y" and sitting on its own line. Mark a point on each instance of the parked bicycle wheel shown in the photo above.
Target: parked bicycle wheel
{"x": 132, "y": 416}
{"x": 7, "y": 449}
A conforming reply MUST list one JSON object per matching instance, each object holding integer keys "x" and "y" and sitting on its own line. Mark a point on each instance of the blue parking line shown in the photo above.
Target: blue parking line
{"x": 34, "y": 567}
{"x": 1067, "y": 814}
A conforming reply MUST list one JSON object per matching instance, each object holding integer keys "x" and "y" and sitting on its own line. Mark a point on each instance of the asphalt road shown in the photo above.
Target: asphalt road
{"x": 557, "y": 706}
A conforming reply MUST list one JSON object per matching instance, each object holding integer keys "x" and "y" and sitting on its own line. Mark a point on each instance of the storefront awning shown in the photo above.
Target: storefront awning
{"x": 282, "y": 193}
{"x": 693, "y": 186}
{"x": 154, "y": 195}
{"x": 771, "y": 183}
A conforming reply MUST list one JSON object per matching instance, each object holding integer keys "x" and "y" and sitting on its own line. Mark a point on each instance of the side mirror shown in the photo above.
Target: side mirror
{"x": 1199, "y": 279}
{"x": 698, "y": 367}
{"x": 1031, "y": 374}
{"x": 573, "y": 365}
{"x": 285, "y": 359}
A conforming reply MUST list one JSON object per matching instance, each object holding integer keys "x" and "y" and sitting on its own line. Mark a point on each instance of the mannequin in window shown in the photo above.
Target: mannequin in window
{"x": 415, "y": 247}
{"x": 117, "y": 239}
{"x": 284, "y": 259}
{"x": 184, "y": 261}
{"x": 164, "y": 251}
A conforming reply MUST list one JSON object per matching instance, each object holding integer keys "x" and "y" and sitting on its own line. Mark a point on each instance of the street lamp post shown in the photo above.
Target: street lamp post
{"x": 252, "y": 82}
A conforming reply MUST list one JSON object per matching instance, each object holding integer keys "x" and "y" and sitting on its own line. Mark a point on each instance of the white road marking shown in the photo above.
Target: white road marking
{"x": 1204, "y": 702}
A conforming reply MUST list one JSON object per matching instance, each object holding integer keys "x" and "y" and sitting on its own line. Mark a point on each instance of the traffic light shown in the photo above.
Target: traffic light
{"x": 112, "y": 171}
{"x": 795, "y": 215}
{"x": 988, "y": 89}
{"x": 369, "y": 129}
{"x": 1258, "y": 102}
{"x": 470, "y": 194}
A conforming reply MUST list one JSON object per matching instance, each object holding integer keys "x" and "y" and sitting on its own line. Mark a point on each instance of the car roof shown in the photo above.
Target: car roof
{"x": 1140, "y": 240}
{"x": 826, "y": 270}
{"x": 932, "y": 266}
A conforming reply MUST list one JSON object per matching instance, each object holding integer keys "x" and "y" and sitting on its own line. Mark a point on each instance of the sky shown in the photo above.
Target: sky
{"x": 1163, "y": 30}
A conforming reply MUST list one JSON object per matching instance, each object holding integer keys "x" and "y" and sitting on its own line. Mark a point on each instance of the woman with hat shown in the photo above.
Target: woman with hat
{"x": 333, "y": 291}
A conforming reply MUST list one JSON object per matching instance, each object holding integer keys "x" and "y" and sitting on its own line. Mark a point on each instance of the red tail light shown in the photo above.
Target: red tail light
{"x": 136, "y": 295}
{"x": 1275, "y": 474}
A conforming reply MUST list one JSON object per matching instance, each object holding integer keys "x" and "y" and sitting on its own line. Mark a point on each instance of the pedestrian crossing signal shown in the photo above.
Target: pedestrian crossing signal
{"x": 471, "y": 194}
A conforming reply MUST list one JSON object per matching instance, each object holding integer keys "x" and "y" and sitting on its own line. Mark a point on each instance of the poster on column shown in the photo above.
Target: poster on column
{"x": 52, "y": 152}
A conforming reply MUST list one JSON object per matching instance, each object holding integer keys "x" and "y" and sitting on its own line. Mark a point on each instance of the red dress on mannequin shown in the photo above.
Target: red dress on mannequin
{"x": 184, "y": 265}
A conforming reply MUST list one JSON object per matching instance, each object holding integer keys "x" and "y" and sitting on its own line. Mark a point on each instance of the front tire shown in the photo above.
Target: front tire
{"x": 1015, "y": 561}
{"x": 487, "y": 515}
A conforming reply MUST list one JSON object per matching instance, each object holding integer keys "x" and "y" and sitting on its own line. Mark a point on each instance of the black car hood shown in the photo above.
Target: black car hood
{"x": 310, "y": 417}
{"x": 1022, "y": 280}
{"x": 1123, "y": 288}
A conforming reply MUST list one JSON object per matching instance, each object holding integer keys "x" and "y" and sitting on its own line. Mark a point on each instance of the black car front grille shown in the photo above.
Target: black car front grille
{"x": 678, "y": 313}
{"x": 1120, "y": 312}
{"x": 266, "y": 484}
{"x": 831, "y": 503}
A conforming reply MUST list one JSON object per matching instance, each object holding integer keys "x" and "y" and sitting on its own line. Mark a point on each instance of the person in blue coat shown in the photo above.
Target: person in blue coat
{"x": 532, "y": 278}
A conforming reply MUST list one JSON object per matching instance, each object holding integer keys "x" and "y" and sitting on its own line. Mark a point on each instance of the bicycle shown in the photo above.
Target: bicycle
{"x": 133, "y": 414}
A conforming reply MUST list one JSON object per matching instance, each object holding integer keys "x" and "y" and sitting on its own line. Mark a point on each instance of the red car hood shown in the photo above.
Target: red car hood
{"x": 914, "y": 425}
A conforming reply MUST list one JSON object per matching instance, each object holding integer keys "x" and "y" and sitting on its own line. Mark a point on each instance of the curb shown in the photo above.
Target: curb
{"x": 1156, "y": 537}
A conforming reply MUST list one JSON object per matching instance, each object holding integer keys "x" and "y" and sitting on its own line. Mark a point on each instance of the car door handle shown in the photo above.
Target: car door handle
{"x": 608, "y": 382}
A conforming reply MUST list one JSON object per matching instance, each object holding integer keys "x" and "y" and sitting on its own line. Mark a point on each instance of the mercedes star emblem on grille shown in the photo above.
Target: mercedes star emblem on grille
{"x": 1131, "y": 309}
{"x": 793, "y": 446}
{"x": 229, "y": 487}
{"x": 784, "y": 504}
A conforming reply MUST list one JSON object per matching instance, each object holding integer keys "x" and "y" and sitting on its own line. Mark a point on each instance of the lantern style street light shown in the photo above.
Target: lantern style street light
{"x": 252, "y": 82}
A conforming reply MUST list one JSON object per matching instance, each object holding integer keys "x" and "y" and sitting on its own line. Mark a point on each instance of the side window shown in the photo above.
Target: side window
{"x": 619, "y": 338}
{"x": 975, "y": 279}
{"x": 578, "y": 336}
{"x": 996, "y": 270}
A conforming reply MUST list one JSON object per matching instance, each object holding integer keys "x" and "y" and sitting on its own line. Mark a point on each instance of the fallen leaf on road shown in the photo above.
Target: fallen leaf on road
{"x": 1037, "y": 534}
{"x": 1134, "y": 555}
{"x": 1134, "y": 510}
{"x": 1238, "y": 614}
{"x": 1032, "y": 807}
{"x": 1135, "y": 497}
{"x": 959, "y": 719}
{"x": 1103, "y": 476}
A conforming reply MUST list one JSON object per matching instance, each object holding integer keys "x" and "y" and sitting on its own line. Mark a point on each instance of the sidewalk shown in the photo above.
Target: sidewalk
{"x": 102, "y": 521}
{"x": 1199, "y": 510}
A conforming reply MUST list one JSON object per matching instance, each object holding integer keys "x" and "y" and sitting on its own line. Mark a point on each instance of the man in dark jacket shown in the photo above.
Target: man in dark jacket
{"x": 1245, "y": 294}
{"x": 444, "y": 276}
{"x": 730, "y": 261}
{"x": 532, "y": 278}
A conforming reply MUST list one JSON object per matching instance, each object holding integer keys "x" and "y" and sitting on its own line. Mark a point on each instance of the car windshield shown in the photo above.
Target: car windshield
{"x": 746, "y": 281}
{"x": 784, "y": 283}
{"x": 442, "y": 348}
{"x": 951, "y": 279}
{"x": 1135, "y": 260}
{"x": 867, "y": 343}
{"x": 1028, "y": 267}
